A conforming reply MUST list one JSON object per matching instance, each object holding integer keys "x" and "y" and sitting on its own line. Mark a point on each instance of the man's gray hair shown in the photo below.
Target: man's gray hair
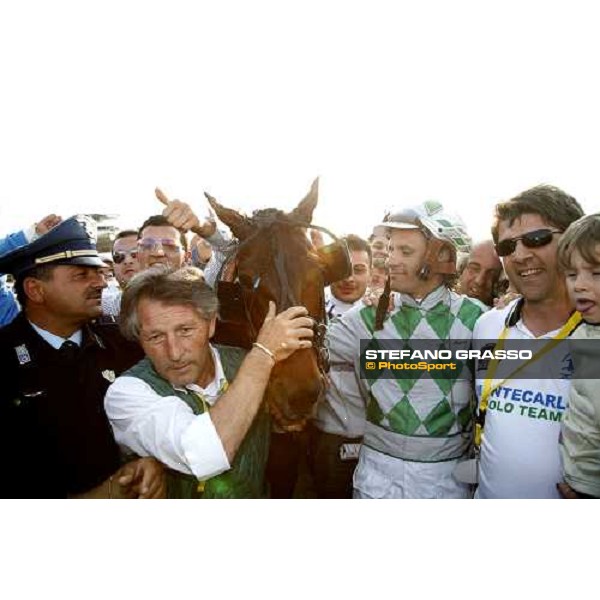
{"x": 184, "y": 287}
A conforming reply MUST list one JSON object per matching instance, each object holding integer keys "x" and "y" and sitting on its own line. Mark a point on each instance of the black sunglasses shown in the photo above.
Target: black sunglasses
{"x": 532, "y": 239}
{"x": 119, "y": 257}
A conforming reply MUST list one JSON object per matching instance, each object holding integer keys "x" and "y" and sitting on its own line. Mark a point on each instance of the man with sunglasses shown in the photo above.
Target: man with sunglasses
{"x": 162, "y": 240}
{"x": 125, "y": 250}
{"x": 126, "y": 265}
{"x": 161, "y": 243}
{"x": 519, "y": 417}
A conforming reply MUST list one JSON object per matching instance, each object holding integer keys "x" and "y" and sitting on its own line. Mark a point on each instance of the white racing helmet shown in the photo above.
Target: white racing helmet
{"x": 439, "y": 227}
{"x": 432, "y": 217}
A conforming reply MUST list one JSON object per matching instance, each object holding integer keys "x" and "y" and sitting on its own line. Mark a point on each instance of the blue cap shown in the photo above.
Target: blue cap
{"x": 71, "y": 242}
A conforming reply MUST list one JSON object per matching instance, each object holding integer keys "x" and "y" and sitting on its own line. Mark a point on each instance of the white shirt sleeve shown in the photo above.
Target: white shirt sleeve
{"x": 343, "y": 341}
{"x": 164, "y": 427}
{"x": 221, "y": 238}
{"x": 343, "y": 337}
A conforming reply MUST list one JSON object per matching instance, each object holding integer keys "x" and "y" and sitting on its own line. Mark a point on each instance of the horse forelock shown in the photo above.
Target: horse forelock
{"x": 267, "y": 216}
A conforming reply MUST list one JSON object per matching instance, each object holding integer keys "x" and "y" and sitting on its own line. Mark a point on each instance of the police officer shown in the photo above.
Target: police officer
{"x": 57, "y": 362}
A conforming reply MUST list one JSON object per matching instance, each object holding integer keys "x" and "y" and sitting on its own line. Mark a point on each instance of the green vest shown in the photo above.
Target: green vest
{"x": 246, "y": 478}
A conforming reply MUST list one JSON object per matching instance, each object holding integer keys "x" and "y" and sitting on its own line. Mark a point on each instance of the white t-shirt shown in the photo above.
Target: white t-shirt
{"x": 519, "y": 453}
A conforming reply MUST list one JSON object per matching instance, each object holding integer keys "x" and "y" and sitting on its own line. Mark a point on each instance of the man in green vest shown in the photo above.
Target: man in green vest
{"x": 194, "y": 406}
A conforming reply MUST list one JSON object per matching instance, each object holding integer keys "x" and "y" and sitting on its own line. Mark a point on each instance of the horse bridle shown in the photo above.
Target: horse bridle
{"x": 286, "y": 298}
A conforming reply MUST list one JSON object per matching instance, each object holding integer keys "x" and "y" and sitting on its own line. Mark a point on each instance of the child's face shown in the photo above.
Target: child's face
{"x": 583, "y": 284}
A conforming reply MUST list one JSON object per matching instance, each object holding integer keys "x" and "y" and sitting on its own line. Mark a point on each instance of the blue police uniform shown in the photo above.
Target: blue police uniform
{"x": 55, "y": 439}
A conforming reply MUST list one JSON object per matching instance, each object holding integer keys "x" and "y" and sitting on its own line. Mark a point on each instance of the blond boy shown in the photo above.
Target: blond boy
{"x": 579, "y": 257}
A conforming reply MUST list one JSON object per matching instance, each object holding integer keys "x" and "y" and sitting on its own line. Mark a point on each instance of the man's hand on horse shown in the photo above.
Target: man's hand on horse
{"x": 181, "y": 216}
{"x": 284, "y": 333}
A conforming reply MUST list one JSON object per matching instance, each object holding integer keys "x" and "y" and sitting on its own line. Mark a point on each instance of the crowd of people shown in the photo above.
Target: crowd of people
{"x": 113, "y": 388}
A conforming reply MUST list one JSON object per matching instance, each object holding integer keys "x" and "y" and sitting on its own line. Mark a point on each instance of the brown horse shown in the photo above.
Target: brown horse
{"x": 274, "y": 260}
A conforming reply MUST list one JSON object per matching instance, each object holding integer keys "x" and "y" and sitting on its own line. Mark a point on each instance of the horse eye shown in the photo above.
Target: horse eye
{"x": 256, "y": 282}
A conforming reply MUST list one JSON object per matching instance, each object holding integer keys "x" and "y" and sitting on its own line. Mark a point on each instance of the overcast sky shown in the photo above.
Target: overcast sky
{"x": 389, "y": 102}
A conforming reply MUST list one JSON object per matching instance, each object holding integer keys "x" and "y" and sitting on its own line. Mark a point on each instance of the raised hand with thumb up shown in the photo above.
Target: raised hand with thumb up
{"x": 180, "y": 215}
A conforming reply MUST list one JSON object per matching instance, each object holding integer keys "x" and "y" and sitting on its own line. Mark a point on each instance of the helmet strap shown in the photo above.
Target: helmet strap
{"x": 382, "y": 306}
{"x": 432, "y": 265}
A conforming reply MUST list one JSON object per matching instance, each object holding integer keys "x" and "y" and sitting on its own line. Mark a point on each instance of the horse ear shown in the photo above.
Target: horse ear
{"x": 304, "y": 211}
{"x": 239, "y": 224}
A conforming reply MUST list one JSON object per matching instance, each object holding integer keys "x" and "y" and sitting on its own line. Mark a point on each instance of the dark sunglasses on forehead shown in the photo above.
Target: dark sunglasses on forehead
{"x": 532, "y": 239}
{"x": 119, "y": 257}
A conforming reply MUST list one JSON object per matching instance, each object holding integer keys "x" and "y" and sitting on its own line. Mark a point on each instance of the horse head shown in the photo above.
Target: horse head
{"x": 274, "y": 260}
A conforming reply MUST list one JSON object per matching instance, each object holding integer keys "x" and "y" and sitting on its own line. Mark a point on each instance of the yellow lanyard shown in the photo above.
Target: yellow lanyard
{"x": 488, "y": 388}
{"x": 222, "y": 390}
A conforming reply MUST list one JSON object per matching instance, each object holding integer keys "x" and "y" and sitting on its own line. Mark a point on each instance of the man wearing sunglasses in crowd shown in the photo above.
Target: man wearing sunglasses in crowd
{"x": 161, "y": 243}
{"x": 161, "y": 238}
{"x": 125, "y": 250}
{"x": 126, "y": 265}
{"x": 520, "y": 417}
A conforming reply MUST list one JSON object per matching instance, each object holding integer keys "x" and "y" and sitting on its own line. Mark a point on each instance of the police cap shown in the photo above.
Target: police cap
{"x": 71, "y": 242}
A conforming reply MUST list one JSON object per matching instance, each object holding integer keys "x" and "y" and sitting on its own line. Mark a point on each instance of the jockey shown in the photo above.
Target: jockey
{"x": 417, "y": 428}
